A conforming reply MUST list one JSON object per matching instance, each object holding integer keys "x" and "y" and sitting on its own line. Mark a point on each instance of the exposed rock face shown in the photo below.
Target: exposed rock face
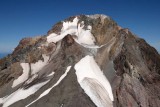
{"x": 131, "y": 66}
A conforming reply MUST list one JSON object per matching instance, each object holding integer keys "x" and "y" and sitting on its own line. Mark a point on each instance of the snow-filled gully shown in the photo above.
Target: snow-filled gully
{"x": 93, "y": 82}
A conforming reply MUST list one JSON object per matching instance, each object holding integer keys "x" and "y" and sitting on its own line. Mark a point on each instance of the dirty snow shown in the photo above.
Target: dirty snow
{"x": 93, "y": 81}
{"x": 35, "y": 67}
{"x": 96, "y": 91}
{"x": 20, "y": 94}
{"x": 23, "y": 77}
{"x": 49, "y": 89}
{"x": 73, "y": 28}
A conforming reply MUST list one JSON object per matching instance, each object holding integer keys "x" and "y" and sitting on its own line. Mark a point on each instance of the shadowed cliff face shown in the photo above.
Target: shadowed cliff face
{"x": 40, "y": 67}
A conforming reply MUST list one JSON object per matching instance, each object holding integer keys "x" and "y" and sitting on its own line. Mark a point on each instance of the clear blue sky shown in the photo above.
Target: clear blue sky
{"x": 27, "y": 18}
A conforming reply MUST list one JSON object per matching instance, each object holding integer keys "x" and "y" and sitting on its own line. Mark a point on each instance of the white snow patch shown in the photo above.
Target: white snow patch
{"x": 39, "y": 47}
{"x": 49, "y": 89}
{"x": 23, "y": 77}
{"x": 70, "y": 25}
{"x": 85, "y": 36}
{"x": 73, "y": 28}
{"x": 20, "y": 94}
{"x": 62, "y": 105}
{"x": 52, "y": 38}
{"x": 39, "y": 65}
{"x": 68, "y": 28}
{"x": 51, "y": 74}
{"x": 1, "y": 100}
{"x": 89, "y": 76}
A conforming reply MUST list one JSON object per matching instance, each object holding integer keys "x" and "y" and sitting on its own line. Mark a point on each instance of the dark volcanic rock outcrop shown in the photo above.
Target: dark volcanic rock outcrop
{"x": 83, "y": 61}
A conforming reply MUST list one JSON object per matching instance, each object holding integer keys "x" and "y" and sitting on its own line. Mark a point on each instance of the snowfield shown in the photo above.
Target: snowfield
{"x": 73, "y": 28}
{"x": 93, "y": 81}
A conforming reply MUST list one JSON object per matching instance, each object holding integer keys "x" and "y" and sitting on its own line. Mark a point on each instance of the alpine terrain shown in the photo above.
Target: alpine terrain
{"x": 83, "y": 61}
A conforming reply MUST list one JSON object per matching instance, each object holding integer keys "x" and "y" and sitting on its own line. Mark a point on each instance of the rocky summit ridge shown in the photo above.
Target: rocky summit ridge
{"x": 83, "y": 61}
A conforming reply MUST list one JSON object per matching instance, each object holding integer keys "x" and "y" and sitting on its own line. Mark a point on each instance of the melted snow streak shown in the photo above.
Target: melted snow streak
{"x": 49, "y": 89}
{"x": 93, "y": 81}
{"x": 51, "y": 74}
{"x": 84, "y": 37}
{"x": 98, "y": 93}
{"x": 20, "y": 94}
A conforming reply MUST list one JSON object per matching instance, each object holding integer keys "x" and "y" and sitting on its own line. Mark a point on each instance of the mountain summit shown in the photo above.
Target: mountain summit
{"x": 83, "y": 61}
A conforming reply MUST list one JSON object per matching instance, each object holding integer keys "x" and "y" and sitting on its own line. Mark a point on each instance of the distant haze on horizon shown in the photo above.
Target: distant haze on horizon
{"x": 28, "y": 18}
